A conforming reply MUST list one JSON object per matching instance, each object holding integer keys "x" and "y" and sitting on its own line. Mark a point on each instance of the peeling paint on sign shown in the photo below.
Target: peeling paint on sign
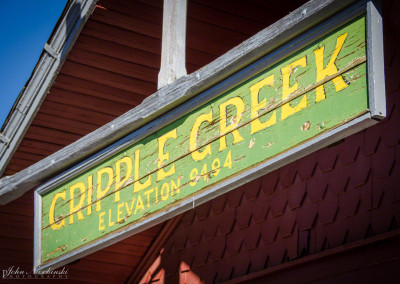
{"x": 317, "y": 89}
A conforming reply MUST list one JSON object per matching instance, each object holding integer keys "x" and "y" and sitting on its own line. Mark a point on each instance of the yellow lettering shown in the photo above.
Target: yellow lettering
{"x": 175, "y": 188}
{"x": 101, "y": 221}
{"x": 238, "y": 103}
{"x": 215, "y": 166}
{"x": 204, "y": 172}
{"x": 197, "y": 155}
{"x": 147, "y": 193}
{"x": 287, "y": 110}
{"x": 110, "y": 223}
{"x": 330, "y": 69}
{"x": 89, "y": 195}
{"x": 139, "y": 204}
{"x": 52, "y": 222}
{"x": 139, "y": 186}
{"x": 256, "y": 124}
{"x": 119, "y": 209}
{"x": 101, "y": 192}
{"x": 129, "y": 210}
{"x": 164, "y": 195}
{"x": 194, "y": 177}
{"x": 164, "y": 156}
{"x": 120, "y": 183}
{"x": 77, "y": 208}
{"x": 228, "y": 160}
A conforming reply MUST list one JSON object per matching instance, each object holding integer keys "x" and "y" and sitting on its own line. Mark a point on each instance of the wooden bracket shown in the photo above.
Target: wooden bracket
{"x": 173, "y": 42}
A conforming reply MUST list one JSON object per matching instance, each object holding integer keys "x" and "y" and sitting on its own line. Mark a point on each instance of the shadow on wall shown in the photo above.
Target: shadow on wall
{"x": 335, "y": 198}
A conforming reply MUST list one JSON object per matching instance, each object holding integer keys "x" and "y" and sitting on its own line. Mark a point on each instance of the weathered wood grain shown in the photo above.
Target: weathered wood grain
{"x": 173, "y": 50}
{"x": 171, "y": 95}
{"x": 90, "y": 88}
{"x": 114, "y": 65}
{"x": 112, "y": 195}
{"x": 108, "y": 78}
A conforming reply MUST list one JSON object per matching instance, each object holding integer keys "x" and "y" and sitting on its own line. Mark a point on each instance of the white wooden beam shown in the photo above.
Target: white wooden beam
{"x": 173, "y": 42}
{"x": 314, "y": 11}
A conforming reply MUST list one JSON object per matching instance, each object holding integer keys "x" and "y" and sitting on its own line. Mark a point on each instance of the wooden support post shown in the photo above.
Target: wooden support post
{"x": 173, "y": 42}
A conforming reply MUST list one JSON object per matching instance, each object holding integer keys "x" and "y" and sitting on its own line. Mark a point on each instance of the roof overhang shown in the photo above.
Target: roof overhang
{"x": 168, "y": 97}
{"x": 51, "y": 60}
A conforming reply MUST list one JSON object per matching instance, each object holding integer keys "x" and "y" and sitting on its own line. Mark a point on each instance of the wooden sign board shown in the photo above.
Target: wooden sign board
{"x": 305, "y": 95}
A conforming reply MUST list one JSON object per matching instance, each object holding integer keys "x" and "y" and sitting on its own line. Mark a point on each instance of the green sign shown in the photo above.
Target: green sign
{"x": 315, "y": 90}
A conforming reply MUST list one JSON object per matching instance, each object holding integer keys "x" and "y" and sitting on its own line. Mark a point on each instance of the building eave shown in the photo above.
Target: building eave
{"x": 170, "y": 96}
{"x": 34, "y": 92}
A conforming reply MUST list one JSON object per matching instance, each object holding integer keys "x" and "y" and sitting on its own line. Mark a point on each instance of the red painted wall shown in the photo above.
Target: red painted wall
{"x": 341, "y": 197}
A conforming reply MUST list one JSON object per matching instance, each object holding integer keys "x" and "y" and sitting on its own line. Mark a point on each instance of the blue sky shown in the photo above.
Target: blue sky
{"x": 25, "y": 26}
